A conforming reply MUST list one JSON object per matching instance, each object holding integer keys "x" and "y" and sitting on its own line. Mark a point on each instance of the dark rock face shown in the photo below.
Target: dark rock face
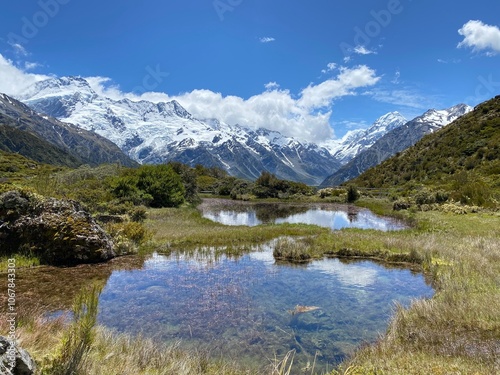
{"x": 15, "y": 360}
{"x": 59, "y": 232}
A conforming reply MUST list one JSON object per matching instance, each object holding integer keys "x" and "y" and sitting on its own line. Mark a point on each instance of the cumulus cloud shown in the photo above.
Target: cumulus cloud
{"x": 305, "y": 115}
{"x": 321, "y": 95}
{"x": 31, "y": 65}
{"x": 267, "y": 39}
{"x": 14, "y": 80}
{"x": 480, "y": 37}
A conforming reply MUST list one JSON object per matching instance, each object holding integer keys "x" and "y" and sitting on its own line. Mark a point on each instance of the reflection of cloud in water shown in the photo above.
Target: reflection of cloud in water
{"x": 200, "y": 261}
{"x": 341, "y": 219}
{"x": 265, "y": 256}
{"x": 233, "y": 217}
{"x": 334, "y": 219}
{"x": 349, "y": 275}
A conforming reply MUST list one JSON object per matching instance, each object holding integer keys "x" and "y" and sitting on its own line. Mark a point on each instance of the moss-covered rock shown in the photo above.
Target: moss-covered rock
{"x": 59, "y": 232}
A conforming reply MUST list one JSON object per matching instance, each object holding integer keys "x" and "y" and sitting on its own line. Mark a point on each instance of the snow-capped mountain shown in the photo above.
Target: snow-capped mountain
{"x": 396, "y": 140}
{"x": 156, "y": 133}
{"x": 356, "y": 141}
{"x": 47, "y": 140}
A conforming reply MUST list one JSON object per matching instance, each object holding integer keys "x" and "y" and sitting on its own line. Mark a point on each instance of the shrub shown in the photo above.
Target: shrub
{"x": 441, "y": 196}
{"x": 163, "y": 184}
{"x": 352, "y": 194}
{"x": 138, "y": 214}
{"x": 132, "y": 231}
{"x": 330, "y": 192}
{"x": 424, "y": 197}
{"x": 401, "y": 204}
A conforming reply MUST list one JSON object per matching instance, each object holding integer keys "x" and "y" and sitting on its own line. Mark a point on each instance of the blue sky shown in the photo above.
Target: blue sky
{"x": 309, "y": 69}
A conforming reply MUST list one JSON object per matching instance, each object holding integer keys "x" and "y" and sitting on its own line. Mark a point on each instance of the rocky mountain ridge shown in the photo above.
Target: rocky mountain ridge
{"x": 396, "y": 140}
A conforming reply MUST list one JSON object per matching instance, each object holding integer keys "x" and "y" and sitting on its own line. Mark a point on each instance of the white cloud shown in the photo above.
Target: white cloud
{"x": 362, "y": 50}
{"x": 452, "y": 61}
{"x": 19, "y": 49}
{"x": 480, "y": 36}
{"x": 267, "y": 39}
{"x": 31, "y": 65}
{"x": 304, "y": 116}
{"x": 14, "y": 80}
{"x": 396, "y": 78}
{"x": 271, "y": 86}
{"x": 329, "y": 67}
{"x": 406, "y": 97}
{"x": 321, "y": 95}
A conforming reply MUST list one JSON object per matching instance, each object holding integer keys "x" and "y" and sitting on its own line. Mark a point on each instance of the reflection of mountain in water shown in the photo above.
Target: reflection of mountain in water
{"x": 268, "y": 213}
{"x": 334, "y": 216}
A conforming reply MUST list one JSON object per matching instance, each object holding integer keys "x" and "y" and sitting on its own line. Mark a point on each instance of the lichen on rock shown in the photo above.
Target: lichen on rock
{"x": 15, "y": 360}
{"x": 59, "y": 232}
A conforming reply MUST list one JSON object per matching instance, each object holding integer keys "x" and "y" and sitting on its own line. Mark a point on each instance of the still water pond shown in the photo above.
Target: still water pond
{"x": 246, "y": 308}
{"x": 334, "y": 216}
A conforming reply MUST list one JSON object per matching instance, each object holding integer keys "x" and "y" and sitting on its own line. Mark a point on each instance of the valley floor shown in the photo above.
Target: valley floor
{"x": 455, "y": 332}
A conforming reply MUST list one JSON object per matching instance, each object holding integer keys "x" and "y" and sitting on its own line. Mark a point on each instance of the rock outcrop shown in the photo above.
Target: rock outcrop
{"x": 15, "y": 360}
{"x": 59, "y": 232}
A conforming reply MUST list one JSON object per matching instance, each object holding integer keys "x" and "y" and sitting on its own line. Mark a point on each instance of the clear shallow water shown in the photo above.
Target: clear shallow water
{"x": 241, "y": 308}
{"x": 325, "y": 215}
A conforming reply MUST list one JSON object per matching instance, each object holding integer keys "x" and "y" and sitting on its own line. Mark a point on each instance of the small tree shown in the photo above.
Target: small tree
{"x": 352, "y": 194}
{"x": 163, "y": 184}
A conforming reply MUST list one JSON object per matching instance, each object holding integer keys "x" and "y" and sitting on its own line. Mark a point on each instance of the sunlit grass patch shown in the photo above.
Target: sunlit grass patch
{"x": 186, "y": 227}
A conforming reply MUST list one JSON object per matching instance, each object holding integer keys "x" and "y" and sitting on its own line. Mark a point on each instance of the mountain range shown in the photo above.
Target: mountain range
{"x": 394, "y": 141}
{"x": 154, "y": 133}
{"x": 48, "y": 140}
{"x": 160, "y": 132}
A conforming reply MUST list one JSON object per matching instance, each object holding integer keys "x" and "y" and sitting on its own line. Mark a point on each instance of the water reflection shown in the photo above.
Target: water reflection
{"x": 240, "y": 307}
{"x": 333, "y": 216}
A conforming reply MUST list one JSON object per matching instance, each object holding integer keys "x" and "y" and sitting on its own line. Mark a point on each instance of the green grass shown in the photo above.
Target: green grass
{"x": 185, "y": 227}
{"x": 21, "y": 261}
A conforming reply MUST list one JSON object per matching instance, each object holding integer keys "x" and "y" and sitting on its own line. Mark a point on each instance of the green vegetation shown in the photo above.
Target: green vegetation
{"x": 22, "y": 142}
{"x": 459, "y": 163}
{"x": 78, "y": 338}
{"x": 15, "y": 167}
{"x": 352, "y": 194}
{"x": 156, "y": 185}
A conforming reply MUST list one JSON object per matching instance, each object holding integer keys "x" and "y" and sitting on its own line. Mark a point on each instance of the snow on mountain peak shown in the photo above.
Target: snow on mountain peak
{"x": 359, "y": 140}
{"x": 158, "y": 132}
{"x": 64, "y": 86}
{"x": 443, "y": 117}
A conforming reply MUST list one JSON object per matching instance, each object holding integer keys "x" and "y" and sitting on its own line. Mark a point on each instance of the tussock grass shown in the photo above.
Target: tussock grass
{"x": 458, "y": 330}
